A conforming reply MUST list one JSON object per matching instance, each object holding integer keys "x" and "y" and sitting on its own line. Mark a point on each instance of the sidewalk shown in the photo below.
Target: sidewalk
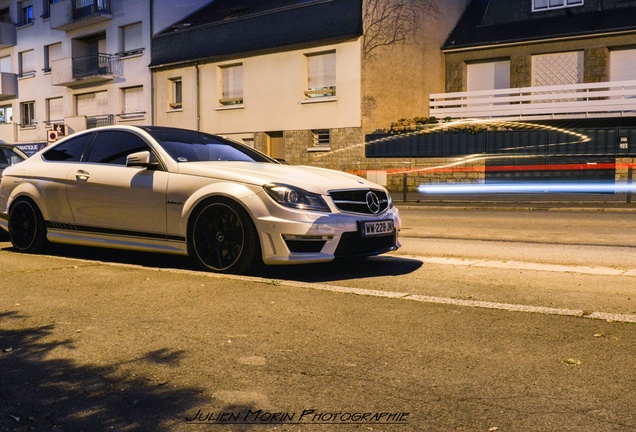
{"x": 519, "y": 201}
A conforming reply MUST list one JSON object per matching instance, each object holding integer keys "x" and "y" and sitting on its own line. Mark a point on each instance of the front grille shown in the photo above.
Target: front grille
{"x": 352, "y": 244}
{"x": 359, "y": 201}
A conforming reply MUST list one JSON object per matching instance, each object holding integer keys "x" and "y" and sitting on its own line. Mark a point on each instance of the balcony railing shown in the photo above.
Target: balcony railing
{"x": 605, "y": 99}
{"x": 101, "y": 120}
{"x": 67, "y": 15}
{"x": 96, "y": 65}
{"x": 86, "y": 8}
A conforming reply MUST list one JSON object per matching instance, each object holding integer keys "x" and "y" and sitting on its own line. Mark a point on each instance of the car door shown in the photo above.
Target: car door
{"x": 107, "y": 197}
{"x": 60, "y": 160}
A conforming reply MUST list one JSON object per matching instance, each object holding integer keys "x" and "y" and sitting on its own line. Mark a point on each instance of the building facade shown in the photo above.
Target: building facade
{"x": 535, "y": 90}
{"x": 301, "y": 81}
{"x": 540, "y": 59}
{"x": 68, "y": 65}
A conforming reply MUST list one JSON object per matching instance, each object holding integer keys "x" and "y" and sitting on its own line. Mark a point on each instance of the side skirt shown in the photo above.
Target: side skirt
{"x": 117, "y": 241}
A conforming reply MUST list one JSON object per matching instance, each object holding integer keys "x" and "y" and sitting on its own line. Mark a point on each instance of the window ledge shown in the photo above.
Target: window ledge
{"x": 131, "y": 116}
{"x": 318, "y": 149}
{"x": 174, "y": 110}
{"x": 319, "y": 100}
{"x": 230, "y": 107}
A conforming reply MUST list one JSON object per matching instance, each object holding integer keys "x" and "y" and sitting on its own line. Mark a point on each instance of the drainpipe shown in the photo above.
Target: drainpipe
{"x": 197, "y": 95}
{"x": 152, "y": 72}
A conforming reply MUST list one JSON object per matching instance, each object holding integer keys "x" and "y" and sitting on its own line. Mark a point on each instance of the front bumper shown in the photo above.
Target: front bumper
{"x": 326, "y": 237}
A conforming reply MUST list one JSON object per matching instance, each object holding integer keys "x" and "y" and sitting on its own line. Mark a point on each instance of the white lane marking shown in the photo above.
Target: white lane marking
{"x": 523, "y": 265}
{"x": 510, "y": 307}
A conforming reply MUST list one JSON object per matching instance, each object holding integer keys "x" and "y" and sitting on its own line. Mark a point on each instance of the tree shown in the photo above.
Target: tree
{"x": 389, "y": 22}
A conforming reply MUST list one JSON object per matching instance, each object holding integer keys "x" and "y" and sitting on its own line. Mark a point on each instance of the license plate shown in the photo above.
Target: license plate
{"x": 376, "y": 228}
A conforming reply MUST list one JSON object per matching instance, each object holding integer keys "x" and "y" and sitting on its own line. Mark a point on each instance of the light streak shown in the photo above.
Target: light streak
{"x": 528, "y": 188}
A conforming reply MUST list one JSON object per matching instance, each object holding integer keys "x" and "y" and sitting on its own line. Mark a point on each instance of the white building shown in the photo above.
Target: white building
{"x": 67, "y": 65}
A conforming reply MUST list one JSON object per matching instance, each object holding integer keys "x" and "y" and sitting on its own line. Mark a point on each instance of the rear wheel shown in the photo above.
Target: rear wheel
{"x": 223, "y": 238}
{"x": 26, "y": 226}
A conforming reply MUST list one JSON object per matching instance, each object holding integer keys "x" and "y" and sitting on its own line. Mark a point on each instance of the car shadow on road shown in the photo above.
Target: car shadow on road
{"x": 343, "y": 269}
{"x": 41, "y": 391}
{"x": 340, "y": 269}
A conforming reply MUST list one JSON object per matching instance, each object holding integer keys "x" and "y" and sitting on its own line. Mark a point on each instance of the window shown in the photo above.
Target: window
{"x": 46, "y": 7}
{"x": 488, "y": 75}
{"x": 557, "y": 68}
{"x": 5, "y": 15}
{"x": 92, "y": 104}
{"x": 175, "y": 93}
{"x": 541, "y": 5}
{"x": 55, "y": 110}
{"x": 26, "y": 14}
{"x": 623, "y": 64}
{"x": 321, "y": 75}
{"x": 321, "y": 137}
{"x": 51, "y": 52}
{"x": 27, "y": 110}
{"x": 6, "y": 114}
{"x": 26, "y": 63}
{"x": 131, "y": 40}
{"x": 132, "y": 102}
{"x": 232, "y": 88}
{"x": 5, "y": 64}
{"x": 69, "y": 151}
{"x": 112, "y": 147}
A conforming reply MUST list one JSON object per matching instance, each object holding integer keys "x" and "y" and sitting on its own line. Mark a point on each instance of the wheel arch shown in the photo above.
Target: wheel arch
{"x": 30, "y": 192}
{"x": 237, "y": 193}
{"x": 252, "y": 256}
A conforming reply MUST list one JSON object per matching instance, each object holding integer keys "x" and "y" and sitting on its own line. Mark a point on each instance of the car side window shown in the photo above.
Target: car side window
{"x": 69, "y": 151}
{"x": 4, "y": 160}
{"x": 112, "y": 147}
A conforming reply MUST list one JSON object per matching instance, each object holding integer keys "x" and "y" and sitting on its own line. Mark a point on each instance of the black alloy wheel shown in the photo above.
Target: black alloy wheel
{"x": 26, "y": 226}
{"x": 223, "y": 238}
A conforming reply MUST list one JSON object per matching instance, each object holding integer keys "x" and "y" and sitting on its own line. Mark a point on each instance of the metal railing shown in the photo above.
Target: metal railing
{"x": 96, "y": 65}
{"x": 86, "y": 8}
{"x": 102, "y": 120}
{"x": 605, "y": 99}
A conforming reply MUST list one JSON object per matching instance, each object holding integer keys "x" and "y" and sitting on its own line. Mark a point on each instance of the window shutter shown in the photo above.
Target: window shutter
{"x": 132, "y": 37}
{"x": 321, "y": 70}
{"x": 5, "y": 64}
{"x": 56, "y": 109}
{"x": 133, "y": 100}
{"x": 233, "y": 82}
{"x": 488, "y": 76}
{"x": 623, "y": 65}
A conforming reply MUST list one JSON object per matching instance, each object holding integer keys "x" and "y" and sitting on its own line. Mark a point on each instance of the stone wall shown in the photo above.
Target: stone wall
{"x": 622, "y": 169}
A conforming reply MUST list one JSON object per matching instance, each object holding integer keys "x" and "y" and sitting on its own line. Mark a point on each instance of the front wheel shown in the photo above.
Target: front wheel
{"x": 223, "y": 238}
{"x": 26, "y": 226}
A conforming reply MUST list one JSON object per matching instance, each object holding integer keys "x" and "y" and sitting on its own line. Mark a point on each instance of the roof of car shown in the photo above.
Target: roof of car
{"x": 227, "y": 28}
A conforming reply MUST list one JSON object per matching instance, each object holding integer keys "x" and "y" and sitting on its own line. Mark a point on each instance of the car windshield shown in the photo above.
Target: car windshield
{"x": 191, "y": 146}
{"x": 10, "y": 156}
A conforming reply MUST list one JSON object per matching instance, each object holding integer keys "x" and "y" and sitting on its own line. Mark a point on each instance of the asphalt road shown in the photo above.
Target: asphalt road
{"x": 471, "y": 326}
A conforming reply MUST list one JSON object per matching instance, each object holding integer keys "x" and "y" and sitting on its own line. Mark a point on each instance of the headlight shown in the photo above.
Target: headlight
{"x": 290, "y": 196}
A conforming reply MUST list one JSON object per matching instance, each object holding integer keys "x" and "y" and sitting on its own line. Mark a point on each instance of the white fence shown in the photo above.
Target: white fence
{"x": 605, "y": 99}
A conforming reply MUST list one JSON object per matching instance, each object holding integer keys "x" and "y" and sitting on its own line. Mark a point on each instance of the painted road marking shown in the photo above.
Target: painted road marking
{"x": 523, "y": 265}
{"x": 605, "y": 316}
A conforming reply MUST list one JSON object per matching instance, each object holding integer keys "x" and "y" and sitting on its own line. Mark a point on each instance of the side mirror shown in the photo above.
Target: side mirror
{"x": 142, "y": 159}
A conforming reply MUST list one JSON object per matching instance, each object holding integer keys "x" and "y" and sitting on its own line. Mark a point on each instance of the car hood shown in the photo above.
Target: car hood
{"x": 312, "y": 179}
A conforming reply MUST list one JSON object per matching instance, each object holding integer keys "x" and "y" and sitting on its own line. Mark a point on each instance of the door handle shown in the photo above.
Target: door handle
{"x": 82, "y": 175}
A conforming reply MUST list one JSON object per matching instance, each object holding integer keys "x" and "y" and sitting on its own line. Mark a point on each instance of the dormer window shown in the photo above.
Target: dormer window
{"x": 542, "y": 5}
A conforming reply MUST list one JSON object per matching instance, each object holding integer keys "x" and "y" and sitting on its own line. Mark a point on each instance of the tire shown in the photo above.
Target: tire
{"x": 223, "y": 237}
{"x": 26, "y": 226}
